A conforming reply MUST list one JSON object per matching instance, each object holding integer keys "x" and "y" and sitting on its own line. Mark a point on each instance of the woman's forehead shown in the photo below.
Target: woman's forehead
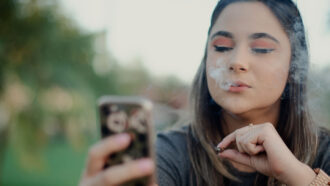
{"x": 248, "y": 18}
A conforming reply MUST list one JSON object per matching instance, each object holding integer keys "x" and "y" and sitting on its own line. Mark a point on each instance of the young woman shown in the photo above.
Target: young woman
{"x": 249, "y": 94}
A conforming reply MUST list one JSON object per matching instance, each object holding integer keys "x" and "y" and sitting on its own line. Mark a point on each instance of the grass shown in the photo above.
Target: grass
{"x": 63, "y": 166}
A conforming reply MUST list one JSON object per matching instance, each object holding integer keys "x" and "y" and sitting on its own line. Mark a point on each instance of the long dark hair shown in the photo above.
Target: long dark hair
{"x": 294, "y": 125}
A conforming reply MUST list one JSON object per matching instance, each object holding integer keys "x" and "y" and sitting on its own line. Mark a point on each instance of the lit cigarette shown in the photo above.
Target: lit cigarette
{"x": 218, "y": 149}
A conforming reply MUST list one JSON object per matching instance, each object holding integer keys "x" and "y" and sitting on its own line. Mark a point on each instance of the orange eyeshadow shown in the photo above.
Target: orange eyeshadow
{"x": 222, "y": 41}
{"x": 262, "y": 44}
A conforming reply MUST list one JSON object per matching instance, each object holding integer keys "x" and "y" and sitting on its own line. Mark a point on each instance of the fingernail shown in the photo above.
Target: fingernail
{"x": 145, "y": 165}
{"x": 123, "y": 138}
{"x": 219, "y": 144}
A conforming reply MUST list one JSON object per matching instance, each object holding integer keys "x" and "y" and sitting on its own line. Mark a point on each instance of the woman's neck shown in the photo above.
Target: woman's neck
{"x": 231, "y": 121}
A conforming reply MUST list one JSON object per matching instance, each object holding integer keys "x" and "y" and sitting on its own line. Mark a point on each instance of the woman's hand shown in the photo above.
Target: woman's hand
{"x": 261, "y": 148}
{"x": 115, "y": 175}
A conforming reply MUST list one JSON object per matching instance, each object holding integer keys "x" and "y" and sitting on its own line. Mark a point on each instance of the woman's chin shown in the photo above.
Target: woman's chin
{"x": 235, "y": 106}
{"x": 236, "y": 111}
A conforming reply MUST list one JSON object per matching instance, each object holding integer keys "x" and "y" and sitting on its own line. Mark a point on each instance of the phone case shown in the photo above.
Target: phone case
{"x": 131, "y": 115}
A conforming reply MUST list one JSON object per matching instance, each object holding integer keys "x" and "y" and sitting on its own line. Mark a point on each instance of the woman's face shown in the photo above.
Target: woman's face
{"x": 248, "y": 58}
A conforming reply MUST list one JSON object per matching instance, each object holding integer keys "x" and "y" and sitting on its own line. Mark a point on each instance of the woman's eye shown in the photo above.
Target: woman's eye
{"x": 222, "y": 48}
{"x": 262, "y": 50}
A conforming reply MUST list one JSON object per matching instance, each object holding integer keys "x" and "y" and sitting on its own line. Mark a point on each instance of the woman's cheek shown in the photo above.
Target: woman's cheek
{"x": 272, "y": 85}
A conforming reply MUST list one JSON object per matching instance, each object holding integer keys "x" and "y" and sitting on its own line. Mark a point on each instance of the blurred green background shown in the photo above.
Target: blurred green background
{"x": 49, "y": 88}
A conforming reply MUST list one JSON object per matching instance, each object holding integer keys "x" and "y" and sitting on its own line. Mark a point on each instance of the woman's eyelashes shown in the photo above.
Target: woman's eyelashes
{"x": 262, "y": 46}
{"x": 262, "y": 50}
{"x": 222, "y": 48}
{"x": 259, "y": 46}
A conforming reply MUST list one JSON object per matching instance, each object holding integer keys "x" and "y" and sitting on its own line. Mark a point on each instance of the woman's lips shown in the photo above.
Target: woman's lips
{"x": 238, "y": 86}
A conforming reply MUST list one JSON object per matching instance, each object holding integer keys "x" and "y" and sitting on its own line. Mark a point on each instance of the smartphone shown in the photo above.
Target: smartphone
{"x": 132, "y": 115}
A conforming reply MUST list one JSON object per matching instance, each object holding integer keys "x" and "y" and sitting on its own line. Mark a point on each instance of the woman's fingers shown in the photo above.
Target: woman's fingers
{"x": 119, "y": 174}
{"x": 246, "y": 140}
{"x": 226, "y": 141}
{"x": 259, "y": 162}
{"x": 252, "y": 140}
{"x": 253, "y": 149}
{"x": 236, "y": 156}
{"x": 114, "y": 175}
{"x": 240, "y": 146}
{"x": 249, "y": 142}
{"x": 99, "y": 153}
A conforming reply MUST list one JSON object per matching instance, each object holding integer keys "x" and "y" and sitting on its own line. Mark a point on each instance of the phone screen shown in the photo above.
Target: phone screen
{"x": 132, "y": 116}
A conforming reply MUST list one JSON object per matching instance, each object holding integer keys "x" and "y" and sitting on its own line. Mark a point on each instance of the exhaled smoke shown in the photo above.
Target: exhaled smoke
{"x": 300, "y": 58}
{"x": 218, "y": 74}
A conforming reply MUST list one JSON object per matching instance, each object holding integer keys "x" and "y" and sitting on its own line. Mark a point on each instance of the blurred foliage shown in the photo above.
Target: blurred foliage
{"x": 45, "y": 75}
{"x": 51, "y": 74}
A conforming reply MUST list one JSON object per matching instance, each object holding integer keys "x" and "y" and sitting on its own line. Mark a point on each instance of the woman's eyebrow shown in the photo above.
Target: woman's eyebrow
{"x": 263, "y": 35}
{"x": 222, "y": 33}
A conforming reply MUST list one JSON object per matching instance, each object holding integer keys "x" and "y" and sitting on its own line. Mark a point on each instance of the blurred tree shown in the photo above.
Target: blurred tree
{"x": 45, "y": 74}
{"x": 51, "y": 74}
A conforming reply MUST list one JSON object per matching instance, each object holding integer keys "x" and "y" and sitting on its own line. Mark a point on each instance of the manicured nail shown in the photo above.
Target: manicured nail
{"x": 145, "y": 165}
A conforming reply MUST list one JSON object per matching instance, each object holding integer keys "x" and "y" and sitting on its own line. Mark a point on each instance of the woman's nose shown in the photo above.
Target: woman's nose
{"x": 239, "y": 61}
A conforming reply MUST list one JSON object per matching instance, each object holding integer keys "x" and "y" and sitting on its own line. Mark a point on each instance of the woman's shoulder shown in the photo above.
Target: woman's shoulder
{"x": 322, "y": 159}
{"x": 181, "y": 131}
{"x": 174, "y": 139}
{"x": 172, "y": 158}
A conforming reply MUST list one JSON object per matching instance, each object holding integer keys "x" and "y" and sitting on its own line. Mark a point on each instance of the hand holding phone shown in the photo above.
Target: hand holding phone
{"x": 125, "y": 155}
